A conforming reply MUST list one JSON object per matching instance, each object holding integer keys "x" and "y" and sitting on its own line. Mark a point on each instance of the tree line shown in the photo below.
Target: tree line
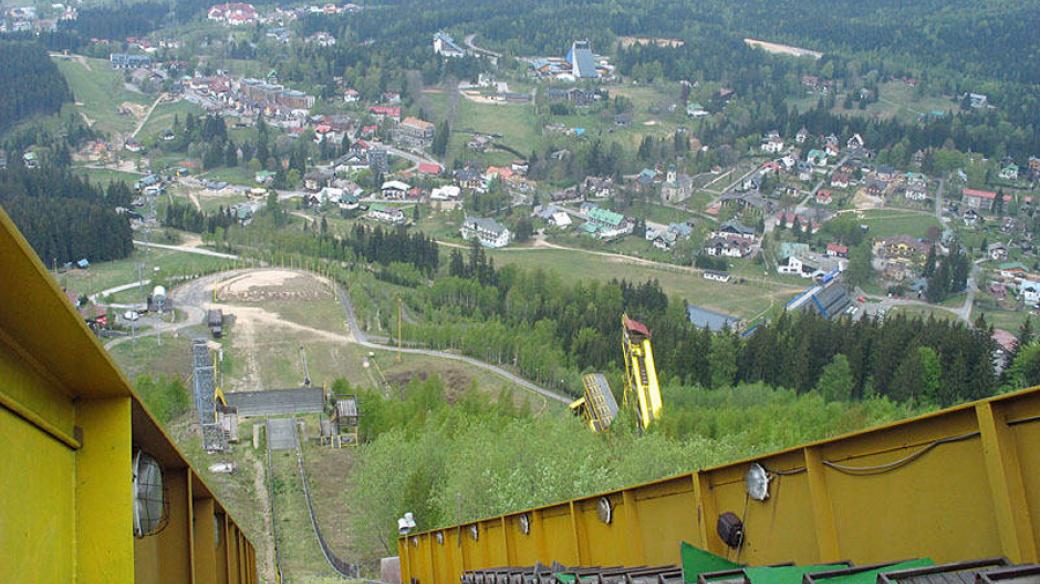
{"x": 30, "y": 83}
{"x": 553, "y": 331}
{"x": 64, "y": 217}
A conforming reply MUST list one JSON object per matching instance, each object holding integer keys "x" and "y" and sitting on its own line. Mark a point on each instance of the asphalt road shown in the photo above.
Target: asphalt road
{"x": 192, "y": 296}
{"x": 362, "y": 339}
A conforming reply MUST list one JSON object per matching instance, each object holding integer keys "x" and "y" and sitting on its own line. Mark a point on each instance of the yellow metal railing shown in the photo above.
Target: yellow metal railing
{"x": 955, "y": 484}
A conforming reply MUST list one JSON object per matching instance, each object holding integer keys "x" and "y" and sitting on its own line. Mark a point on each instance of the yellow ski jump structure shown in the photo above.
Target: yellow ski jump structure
{"x": 599, "y": 408}
{"x": 640, "y": 372}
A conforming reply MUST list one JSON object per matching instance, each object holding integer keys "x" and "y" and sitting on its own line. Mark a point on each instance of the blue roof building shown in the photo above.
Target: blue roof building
{"x": 714, "y": 321}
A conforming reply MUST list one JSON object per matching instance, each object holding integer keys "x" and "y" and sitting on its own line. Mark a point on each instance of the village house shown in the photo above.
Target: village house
{"x": 385, "y": 111}
{"x": 728, "y": 247}
{"x": 772, "y": 144}
{"x": 816, "y": 157}
{"x": 394, "y": 190}
{"x": 902, "y": 248}
{"x": 666, "y": 238}
{"x": 386, "y": 214}
{"x": 839, "y": 180}
{"x": 734, "y": 229}
{"x": 351, "y": 95}
{"x": 801, "y": 136}
{"x": 125, "y": 61}
{"x": 445, "y": 193}
{"x": 1012, "y": 271}
{"x": 233, "y": 13}
{"x": 416, "y": 132}
{"x": 836, "y": 250}
{"x": 977, "y": 199}
{"x": 1030, "y": 292}
{"x": 824, "y": 197}
{"x": 788, "y": 219}
{"x": 488, "y": 232}
{"x": 1009, "y": 172}
{"x": 915, "y": 193}
{"x": 604, "y": 223}
{"x": 805, "y": 171}
{"x": 717, "y": 276}
{"x": 598, "y": 188}
{"x": 875, "y": 187}
{"x": 997, "y": 251}
{"x": 696, "y": 110}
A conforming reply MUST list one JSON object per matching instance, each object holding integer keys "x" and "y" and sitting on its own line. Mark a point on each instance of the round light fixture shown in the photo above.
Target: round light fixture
{"x": 757, "y": 482}
{"x": 525, "y": 524}
{"x": 605, "y": 510}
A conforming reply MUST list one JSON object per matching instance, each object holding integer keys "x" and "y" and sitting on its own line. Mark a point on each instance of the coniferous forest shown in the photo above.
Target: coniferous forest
{"x": 64, "y": 217}
{"x": 30, "y": 83}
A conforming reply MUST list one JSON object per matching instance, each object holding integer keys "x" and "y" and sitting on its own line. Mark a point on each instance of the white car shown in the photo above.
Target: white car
{"x": 131, "y": 315}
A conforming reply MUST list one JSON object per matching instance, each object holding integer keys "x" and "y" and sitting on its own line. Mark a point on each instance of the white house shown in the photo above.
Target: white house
{"x": 386, "y": 214}
{"x": 561, "y": 219}
{"x": 445, "y": 193}
{"x": 1030, "y": 291}
{"x": 488, "y": 232}
{"x": 717, "y": 276}
{"x": 394, "y": 189}
{"x": 773, "y": 145}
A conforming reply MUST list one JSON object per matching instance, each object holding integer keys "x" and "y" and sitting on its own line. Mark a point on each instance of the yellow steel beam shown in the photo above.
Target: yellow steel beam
{"x": 948, "y": 485}
{"x": 1005, "y": 480}
{"x": 823, "y": 513}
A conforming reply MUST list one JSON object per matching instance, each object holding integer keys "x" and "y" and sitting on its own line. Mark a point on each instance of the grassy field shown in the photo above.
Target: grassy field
{"x": 889, "y": 223}
{"x": 746, "y": 300}
{"x": 162, "y": 119}
{"x": 301, "y": 555}
{"x": 923, "y": 312}
{"x": 101, "y": 91}
{"x": 897, "y": 100}
{"x": 106, "y": 275}
{"x": 103, "y": 176}
{"x": 515, "y": 123}
{"x": 146, "y": 356}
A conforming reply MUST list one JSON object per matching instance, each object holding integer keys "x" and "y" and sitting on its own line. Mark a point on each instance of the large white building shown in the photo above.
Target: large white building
{"x": 582, "y": 61}
{"x": 488, "y": 232}
{"x": 446, "y": 46}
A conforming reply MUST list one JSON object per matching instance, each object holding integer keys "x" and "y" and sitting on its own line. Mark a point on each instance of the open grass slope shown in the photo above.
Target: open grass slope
{"x": 99, "y": 91}
{"x": 105, "y": 275}
{"x": 744, "y": 300}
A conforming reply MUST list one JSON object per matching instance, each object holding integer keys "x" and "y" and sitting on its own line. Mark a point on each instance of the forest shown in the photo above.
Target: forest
{"x": 64, "y": 217}
{"x": 553, "y": 331}
{"x": 30, "y": 83}
{"x": 450, "y": 461}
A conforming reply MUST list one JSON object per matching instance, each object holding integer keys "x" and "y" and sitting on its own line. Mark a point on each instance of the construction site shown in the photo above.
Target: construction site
{"x": 951, "y": 496}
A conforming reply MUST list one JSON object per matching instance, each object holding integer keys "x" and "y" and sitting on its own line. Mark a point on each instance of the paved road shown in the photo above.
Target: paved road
{"x": 144, "y": 120}
{"x": 412, "y": 157}
{"x": 192, "y": 296}
{"x": 802, "y": 206}
{"x": 94, "y": 297}
{"x": 185, "y": 249}
{"x": 361, "y": 338}
{"x": 963, "y": 312}
{"x": 469, "y": 44}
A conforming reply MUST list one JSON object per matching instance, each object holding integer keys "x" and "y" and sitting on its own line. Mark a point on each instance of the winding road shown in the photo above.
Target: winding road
{"x": 361, "y": 338}
{"x": 192, "y": 297}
